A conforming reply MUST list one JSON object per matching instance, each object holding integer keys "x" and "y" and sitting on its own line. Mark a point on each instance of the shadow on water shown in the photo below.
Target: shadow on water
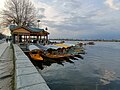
{"x": 49, "y": 61}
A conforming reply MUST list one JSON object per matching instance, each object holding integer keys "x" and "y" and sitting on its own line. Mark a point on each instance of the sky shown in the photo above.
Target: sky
{"x": 79, "y": 19}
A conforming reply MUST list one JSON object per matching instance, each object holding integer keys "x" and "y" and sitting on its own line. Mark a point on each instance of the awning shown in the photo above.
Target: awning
{"x": 63, "y": 45}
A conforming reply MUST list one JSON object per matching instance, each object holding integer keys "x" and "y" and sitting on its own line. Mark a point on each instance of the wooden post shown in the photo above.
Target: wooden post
{"x": 18, "y": 38}
{"x": 29, "y": 38}
{"x": 13, "y": 37}
{"x": 47, "y": 39}
{"x": 24, "y": 38}
{"x": 44, "y": 37}
{"x": 40, "y": 38}
{"x": 37, "y": 37}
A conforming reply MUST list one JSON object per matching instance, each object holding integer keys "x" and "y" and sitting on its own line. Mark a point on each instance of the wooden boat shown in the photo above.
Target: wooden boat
{"x": 91, "y": 43}
{"x": 57, "y": 56}
{"x": 34, "y": 54}
{"x": 52, "y": 52}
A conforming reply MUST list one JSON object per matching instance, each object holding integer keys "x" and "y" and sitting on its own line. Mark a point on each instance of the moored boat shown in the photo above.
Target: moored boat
{"x": 46, "y": 52}
{"x": 91, "y": 43}
{"x": 35, "y": 53}
{"x": 58, "y": 51}
{"x": 57, "y": 56}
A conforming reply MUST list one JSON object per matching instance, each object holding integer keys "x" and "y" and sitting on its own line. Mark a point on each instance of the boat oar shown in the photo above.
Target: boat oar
{"x": 67, "y": 59}
{"x": 72, "y": 57}
{"x": 59, "y": 62}
{"x": 79, "y": 56}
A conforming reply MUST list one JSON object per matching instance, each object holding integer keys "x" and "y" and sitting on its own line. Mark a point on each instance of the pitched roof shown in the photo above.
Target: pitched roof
{"x": 13, "y": 27}
{"x": 35, "y": 29}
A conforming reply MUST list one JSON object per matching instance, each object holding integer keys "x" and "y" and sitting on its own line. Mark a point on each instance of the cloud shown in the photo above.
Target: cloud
{"x": 2, "y": 4}
{"x": 80, "y": 18}
{"x": 111, "y": 4}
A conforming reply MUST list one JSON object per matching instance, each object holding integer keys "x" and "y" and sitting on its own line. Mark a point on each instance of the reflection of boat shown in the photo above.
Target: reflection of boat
{"x": 34, "y": 54}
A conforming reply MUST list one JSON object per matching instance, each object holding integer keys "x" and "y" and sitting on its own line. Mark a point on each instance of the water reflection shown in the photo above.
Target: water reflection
{"x": 108, "y": 76}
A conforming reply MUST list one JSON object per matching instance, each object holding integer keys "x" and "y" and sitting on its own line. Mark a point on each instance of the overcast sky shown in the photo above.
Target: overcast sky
{"x": 80, "y": 19}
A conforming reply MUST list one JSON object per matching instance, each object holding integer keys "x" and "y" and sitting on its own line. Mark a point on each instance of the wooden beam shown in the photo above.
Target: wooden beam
{"x": 29, "y": 38}
{"x": 18, "y": 38}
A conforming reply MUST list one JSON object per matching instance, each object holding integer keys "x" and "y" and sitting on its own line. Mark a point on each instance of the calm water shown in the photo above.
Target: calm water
{"x": 99, "y": 70}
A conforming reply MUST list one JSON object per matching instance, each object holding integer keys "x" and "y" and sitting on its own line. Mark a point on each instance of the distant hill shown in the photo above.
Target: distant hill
{"x": 98, "y": 40}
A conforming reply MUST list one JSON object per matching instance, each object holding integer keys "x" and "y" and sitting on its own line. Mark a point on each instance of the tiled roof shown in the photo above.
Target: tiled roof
{"x": 13, "y": 27}
{"x": 35, "y": 29}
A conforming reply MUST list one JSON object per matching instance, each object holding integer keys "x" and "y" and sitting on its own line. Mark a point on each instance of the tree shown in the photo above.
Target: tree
{"x": 20, "y": 12}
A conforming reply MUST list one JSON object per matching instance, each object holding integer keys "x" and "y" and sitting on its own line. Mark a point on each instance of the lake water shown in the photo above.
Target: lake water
{"x": 99, "y": 70}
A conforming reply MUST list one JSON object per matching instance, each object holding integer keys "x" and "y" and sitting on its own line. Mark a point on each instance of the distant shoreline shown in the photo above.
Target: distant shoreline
{"x": 86, "y": 40}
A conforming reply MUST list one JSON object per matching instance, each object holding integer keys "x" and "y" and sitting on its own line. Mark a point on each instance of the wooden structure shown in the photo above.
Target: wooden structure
{"x": 27, "y": 35}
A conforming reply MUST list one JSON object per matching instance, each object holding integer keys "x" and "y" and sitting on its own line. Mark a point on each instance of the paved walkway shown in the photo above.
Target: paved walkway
{"x": 6, "y": 67}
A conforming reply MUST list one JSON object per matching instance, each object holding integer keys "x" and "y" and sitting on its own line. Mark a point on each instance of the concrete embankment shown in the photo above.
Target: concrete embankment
{"x": 26, "y": 75}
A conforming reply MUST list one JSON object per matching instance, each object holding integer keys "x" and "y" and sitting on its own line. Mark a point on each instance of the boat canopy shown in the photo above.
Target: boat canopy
{"x": 69, "y": 44}
{"x": 52, "y": 46}
{"x": 65, "y": 45}
{"x": 46, "y": 47}
{"x": 32, "y": 47}
{"x": 42, "y": 47}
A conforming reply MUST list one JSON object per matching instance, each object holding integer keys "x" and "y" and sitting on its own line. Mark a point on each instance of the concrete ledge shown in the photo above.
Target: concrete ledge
{"x": 26, "y": 75}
